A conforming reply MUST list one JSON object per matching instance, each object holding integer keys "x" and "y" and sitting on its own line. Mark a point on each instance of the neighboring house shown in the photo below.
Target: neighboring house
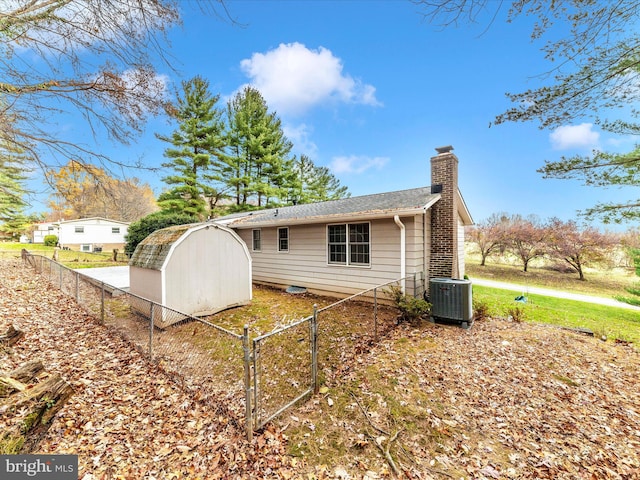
{"x": 85, "y": 234}
{"x": 345, "y": 246}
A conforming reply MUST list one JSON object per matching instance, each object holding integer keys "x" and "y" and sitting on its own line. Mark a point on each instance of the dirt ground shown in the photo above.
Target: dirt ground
{"x": 501, "y": 400}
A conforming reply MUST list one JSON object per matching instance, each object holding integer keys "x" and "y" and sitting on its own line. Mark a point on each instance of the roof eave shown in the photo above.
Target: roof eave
{"x": 356, "y": 216}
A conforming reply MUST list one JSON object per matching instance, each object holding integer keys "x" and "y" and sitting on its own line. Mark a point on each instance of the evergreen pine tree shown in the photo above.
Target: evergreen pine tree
{"x": 315, "y": 184}
{"x": 197, "y": 145}
{"x": 257, "y": 166}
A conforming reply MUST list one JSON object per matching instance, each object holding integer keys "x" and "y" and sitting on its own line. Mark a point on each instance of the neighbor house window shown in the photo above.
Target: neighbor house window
{"x": 256, "y": 240}
{"x": 115, "y": 229}
{"x": 50, "y": 228}
{"x": 85, "y": 248}
{"x": 283, "y": 239}
{"x": 79, "y": 230}
{"x": 349, "y": 244}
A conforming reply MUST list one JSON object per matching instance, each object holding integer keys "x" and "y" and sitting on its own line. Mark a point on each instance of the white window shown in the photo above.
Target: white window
{"x": 85, "y": 248}
{"x": 50, "y": 228}
{"x": 79, "y": 230}
{"x": 283, "y": 239}
{"x": 348, "y": 244}
{"x": 256, "y": 240}
{"x": 115, "y": 229}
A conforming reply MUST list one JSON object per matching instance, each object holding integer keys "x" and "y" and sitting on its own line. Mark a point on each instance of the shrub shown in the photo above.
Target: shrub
{"x": 139, "y": 230}
{"x": 412, "y": 309}
{"x": 50, "y": 240}
{"x": 516, "y": 313}
{"x": 480, "y": 309}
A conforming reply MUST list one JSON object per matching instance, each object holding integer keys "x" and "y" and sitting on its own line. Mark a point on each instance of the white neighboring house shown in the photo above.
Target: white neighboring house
{"x": 85, "y": 234}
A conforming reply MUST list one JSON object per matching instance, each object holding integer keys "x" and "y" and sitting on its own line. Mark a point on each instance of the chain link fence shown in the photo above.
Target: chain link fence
{"x": 289, "y": 364}
{"x": 260, "y": 377}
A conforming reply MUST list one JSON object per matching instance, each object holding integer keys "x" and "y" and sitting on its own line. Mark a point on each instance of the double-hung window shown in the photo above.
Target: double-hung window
{"x": 256, "y": 240}
{"x": 79, "y": 229}
{"x": 349, "y": 244}
{"x": 283, "y": 239}
{"x": 115, "y": 229}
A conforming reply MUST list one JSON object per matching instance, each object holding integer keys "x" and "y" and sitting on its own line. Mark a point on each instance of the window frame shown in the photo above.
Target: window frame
{"x": 348, "y": 244}
{"x": 279, "y": 239}
{"x": 259, "y": 240}
{"x": 79, "y": 229}
{"x": 115, "y": 230}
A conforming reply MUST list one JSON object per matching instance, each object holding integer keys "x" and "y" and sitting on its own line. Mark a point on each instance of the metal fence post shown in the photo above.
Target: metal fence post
{"x": 102, "y": 309}
{"x": 314, "y": 350}
{"x": 60, "y": 268}
{"x": 375, "y": 315}
{"x": 247, "y": 382}
{"x": 78, "y": 287}
{"x": 151, "y": 312}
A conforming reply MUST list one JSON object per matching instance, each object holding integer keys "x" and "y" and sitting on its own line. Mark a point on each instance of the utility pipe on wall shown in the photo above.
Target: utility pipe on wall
{"x": 403, "y": 252}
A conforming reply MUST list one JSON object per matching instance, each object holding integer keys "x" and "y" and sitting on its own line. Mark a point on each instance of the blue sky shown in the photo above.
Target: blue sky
{"x": 370, "y": 88}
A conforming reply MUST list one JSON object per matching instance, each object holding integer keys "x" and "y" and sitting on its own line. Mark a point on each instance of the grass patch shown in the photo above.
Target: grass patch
{"x": 619, "y": 323}
{"x": 69, "y": 258}
{"x": 604, "y": 283}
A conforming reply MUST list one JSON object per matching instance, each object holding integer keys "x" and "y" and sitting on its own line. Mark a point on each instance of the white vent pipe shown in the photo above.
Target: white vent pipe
{"x": 403, "y": 251}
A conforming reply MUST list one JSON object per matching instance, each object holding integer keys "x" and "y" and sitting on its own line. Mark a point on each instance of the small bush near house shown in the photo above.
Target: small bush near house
{"x": 516, "y": 313}
{"x": 481, "y": 309}
{"x": 50, "y": 240}
{"x": 412, "y": 309}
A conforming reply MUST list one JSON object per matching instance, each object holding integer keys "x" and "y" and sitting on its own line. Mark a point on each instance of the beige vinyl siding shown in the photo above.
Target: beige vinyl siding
{"x": 461, "y": 247}
{"x": 306, "y": 263}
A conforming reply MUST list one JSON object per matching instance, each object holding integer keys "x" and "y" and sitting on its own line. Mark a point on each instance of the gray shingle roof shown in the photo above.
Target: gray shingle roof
{"x": 384, "y": 204}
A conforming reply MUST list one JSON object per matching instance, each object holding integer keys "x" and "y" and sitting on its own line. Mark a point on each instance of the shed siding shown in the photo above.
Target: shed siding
{"x": 207, "y": 272}
{"x": 147, "y": 283}
{"x": 305, "y": 264}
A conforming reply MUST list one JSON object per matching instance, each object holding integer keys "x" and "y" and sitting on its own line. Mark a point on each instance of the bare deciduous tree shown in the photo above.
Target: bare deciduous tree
{"x": 92, "y": 58}
{"x": 489, "y": 235}
{"x": 577, "y": 246}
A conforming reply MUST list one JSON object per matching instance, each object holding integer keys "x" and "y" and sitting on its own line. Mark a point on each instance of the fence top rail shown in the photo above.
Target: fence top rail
{"x": 88, "y": 278}
{"x": 351, "y": 297}
{"x": 282, "y": 329}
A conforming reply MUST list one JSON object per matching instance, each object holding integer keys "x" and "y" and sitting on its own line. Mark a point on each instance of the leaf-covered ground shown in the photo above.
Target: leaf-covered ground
{"x": 501, "y": 400}
{"x": 126, "y": 419}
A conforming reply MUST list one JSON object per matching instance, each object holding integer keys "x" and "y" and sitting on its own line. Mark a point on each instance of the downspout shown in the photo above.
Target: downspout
{"x": 403, "y": 251}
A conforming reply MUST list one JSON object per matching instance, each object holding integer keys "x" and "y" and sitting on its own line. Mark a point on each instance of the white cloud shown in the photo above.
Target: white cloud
{"x": 300, "y": 135}
{"x": 574, "y": 136}
{"x": 357, "y": 164}
{"x": 293, "y": 78}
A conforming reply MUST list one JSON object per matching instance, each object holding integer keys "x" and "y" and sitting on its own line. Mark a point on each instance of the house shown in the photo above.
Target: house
{"x": 197, "y": 269}
{"x": 85, "y": 234}
{"x": 345, "y": 246}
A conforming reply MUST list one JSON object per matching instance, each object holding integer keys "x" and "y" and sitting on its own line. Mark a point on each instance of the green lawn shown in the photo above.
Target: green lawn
{"x": 69, "y": 258}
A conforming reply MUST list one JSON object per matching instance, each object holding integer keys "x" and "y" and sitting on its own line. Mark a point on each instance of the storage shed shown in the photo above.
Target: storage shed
{"x": 197, "y": 269}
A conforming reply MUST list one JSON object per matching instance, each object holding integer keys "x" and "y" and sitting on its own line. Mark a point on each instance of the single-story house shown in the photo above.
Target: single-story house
{"x": 85, "y": 234}
{"x": 197, "y": 269}
{"x": 345, "y": 246}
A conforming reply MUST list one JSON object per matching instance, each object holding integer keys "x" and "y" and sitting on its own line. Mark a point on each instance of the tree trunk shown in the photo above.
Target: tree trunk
{"x": 11, "y": 336}
{"x": 34, "y": 396}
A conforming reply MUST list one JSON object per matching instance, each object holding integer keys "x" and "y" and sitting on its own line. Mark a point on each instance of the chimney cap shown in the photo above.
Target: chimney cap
{"x": 445, "y": 149}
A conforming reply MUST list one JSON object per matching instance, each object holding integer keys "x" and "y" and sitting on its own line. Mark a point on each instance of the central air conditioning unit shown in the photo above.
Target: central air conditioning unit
{"x": 451, "y": 301}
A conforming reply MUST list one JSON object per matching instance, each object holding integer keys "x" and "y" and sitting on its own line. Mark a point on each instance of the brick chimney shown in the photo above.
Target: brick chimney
{"x": 444, "y": 215}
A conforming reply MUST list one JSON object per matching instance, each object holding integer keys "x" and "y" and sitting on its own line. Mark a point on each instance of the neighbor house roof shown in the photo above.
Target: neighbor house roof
{"x": 88, "y": 220}
{"x": 379, "y": 205}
